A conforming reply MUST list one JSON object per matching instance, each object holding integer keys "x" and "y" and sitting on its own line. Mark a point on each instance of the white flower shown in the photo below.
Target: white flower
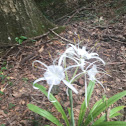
{"x": 54, "y": 75}
{"x": 92, "y": 73}
{"x": 82, "y": 53}
{"x": 79, "y": 55}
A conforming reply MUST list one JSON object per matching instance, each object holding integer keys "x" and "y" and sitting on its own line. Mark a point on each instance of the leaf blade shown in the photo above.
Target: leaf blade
{"x": 83, "y": 106}
{"x": 103, "y": 106}
{"x": 44, "y": 113}
{"x": 112, "y": 123}
{"x": 56, "y": 104}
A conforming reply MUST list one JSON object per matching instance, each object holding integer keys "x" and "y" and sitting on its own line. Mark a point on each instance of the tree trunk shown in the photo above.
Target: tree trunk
{"x": 20, "y": 18}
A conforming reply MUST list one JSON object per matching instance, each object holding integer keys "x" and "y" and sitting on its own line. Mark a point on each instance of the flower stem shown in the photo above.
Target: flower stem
{"x": 71, "y": 106}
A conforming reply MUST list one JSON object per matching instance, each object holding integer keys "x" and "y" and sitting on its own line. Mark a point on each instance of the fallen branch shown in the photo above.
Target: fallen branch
{"x": 116, "y": 40}
{"x": 77, "y": 11}
{"x": 38, "y": 37}
{"x": 60, "y": 36}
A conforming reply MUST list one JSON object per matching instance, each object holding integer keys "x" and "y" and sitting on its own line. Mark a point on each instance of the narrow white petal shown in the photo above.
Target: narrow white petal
{"x": 67, "y": 92}
{"x": 41, "y": 68}
{"x": 77, "y": 76}
{"x": 70, "y": 86}
{"x": 40, "y": 79}
{"x": 61, "y": 59}
{"x": 100, "y": 84}
{"x": 94, "y": 54}
{"x": 40, "y": 63}
{"x": 74, "y": 59}
{"x": 69, "y": 57}
{"x": 91, "y": 64}
{"x": 98, "y": 59}
{"x": 50, "y": 88}
{"x": 72, "y": 67}
{"x": 74, "y": 47}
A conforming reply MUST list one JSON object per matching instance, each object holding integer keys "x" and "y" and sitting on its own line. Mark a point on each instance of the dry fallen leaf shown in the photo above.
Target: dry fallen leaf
{"x": 41, "y": 49}
{"x": 2, "y": 113}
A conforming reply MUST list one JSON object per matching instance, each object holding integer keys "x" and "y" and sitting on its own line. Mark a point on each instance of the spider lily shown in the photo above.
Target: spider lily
{"x": 92, "y": 74}
{"x": 54, "y": 75}
{"x": 79, "y": 55}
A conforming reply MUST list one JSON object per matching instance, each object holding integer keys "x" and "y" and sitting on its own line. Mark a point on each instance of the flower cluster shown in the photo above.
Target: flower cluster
{"x": 84, "y": 60}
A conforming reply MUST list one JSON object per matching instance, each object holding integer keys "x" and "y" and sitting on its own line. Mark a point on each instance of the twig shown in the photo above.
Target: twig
{"x": 35, "y": 100}
{"x": 77, "y": 11}
{"x": 60, "y": 36}
{"x": 116, "y": 40}
{"x": 38, "y": 37}
{"x": 27, "y": 58}
{"x": 9, "y": 50}
{"x": 115, "y": 63}
{"x": 64, "y": 16}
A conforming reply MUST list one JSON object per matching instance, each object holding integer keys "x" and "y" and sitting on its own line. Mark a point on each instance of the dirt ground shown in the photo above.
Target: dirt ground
{"x": 110, "y": 44}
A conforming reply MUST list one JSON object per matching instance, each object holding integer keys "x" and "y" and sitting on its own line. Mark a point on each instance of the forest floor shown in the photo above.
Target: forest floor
{"x": 17, "y": 74}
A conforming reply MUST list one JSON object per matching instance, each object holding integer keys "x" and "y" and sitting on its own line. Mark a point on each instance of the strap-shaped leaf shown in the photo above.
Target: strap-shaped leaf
{"x": 83, "y": 106}
{"x": 56, "y": 104}
{"x": 96, "y": 105}
{"x": 112, "y": 123}
{"x": 45, "y": 114}
{"x": 103, "y": 106}
{"x": 113, "y": 113}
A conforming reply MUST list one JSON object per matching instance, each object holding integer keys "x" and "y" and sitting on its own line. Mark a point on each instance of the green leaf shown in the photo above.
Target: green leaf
{"x": 20, "y": 41}
{"x": 116, "y": 114}
{"x": 2, "y": 76}
{"x": 96, "y": 105}
{"x": 56, "y": 104}
{"x": 115, "y": 110}
{"x": 69, "y": 112}
{"x": 1, "y": 92}
{"x": 16, "y": 39}
{"x": 2, "y": 125}
{"x": 11, "y": 105}
{"x": 83, "y": 106}
{"x": 44, "y": 113}
{"x": 23, "y": 37}
{"x": 112, "y": 123}
{"x": 103, "y": 106}
{"x": 112, "y": 114}
{"x": 3, "y": 68}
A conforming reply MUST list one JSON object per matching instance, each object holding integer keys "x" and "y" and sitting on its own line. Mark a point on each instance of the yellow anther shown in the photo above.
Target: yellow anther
{"x": 78, "y": 36}
{"x": 98, "y": 48}
{"x": 35, "y": 66}
{"x": 74, "y": 40}
{"x": 89, "y": 39}
{"x": 49, "y": 54}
